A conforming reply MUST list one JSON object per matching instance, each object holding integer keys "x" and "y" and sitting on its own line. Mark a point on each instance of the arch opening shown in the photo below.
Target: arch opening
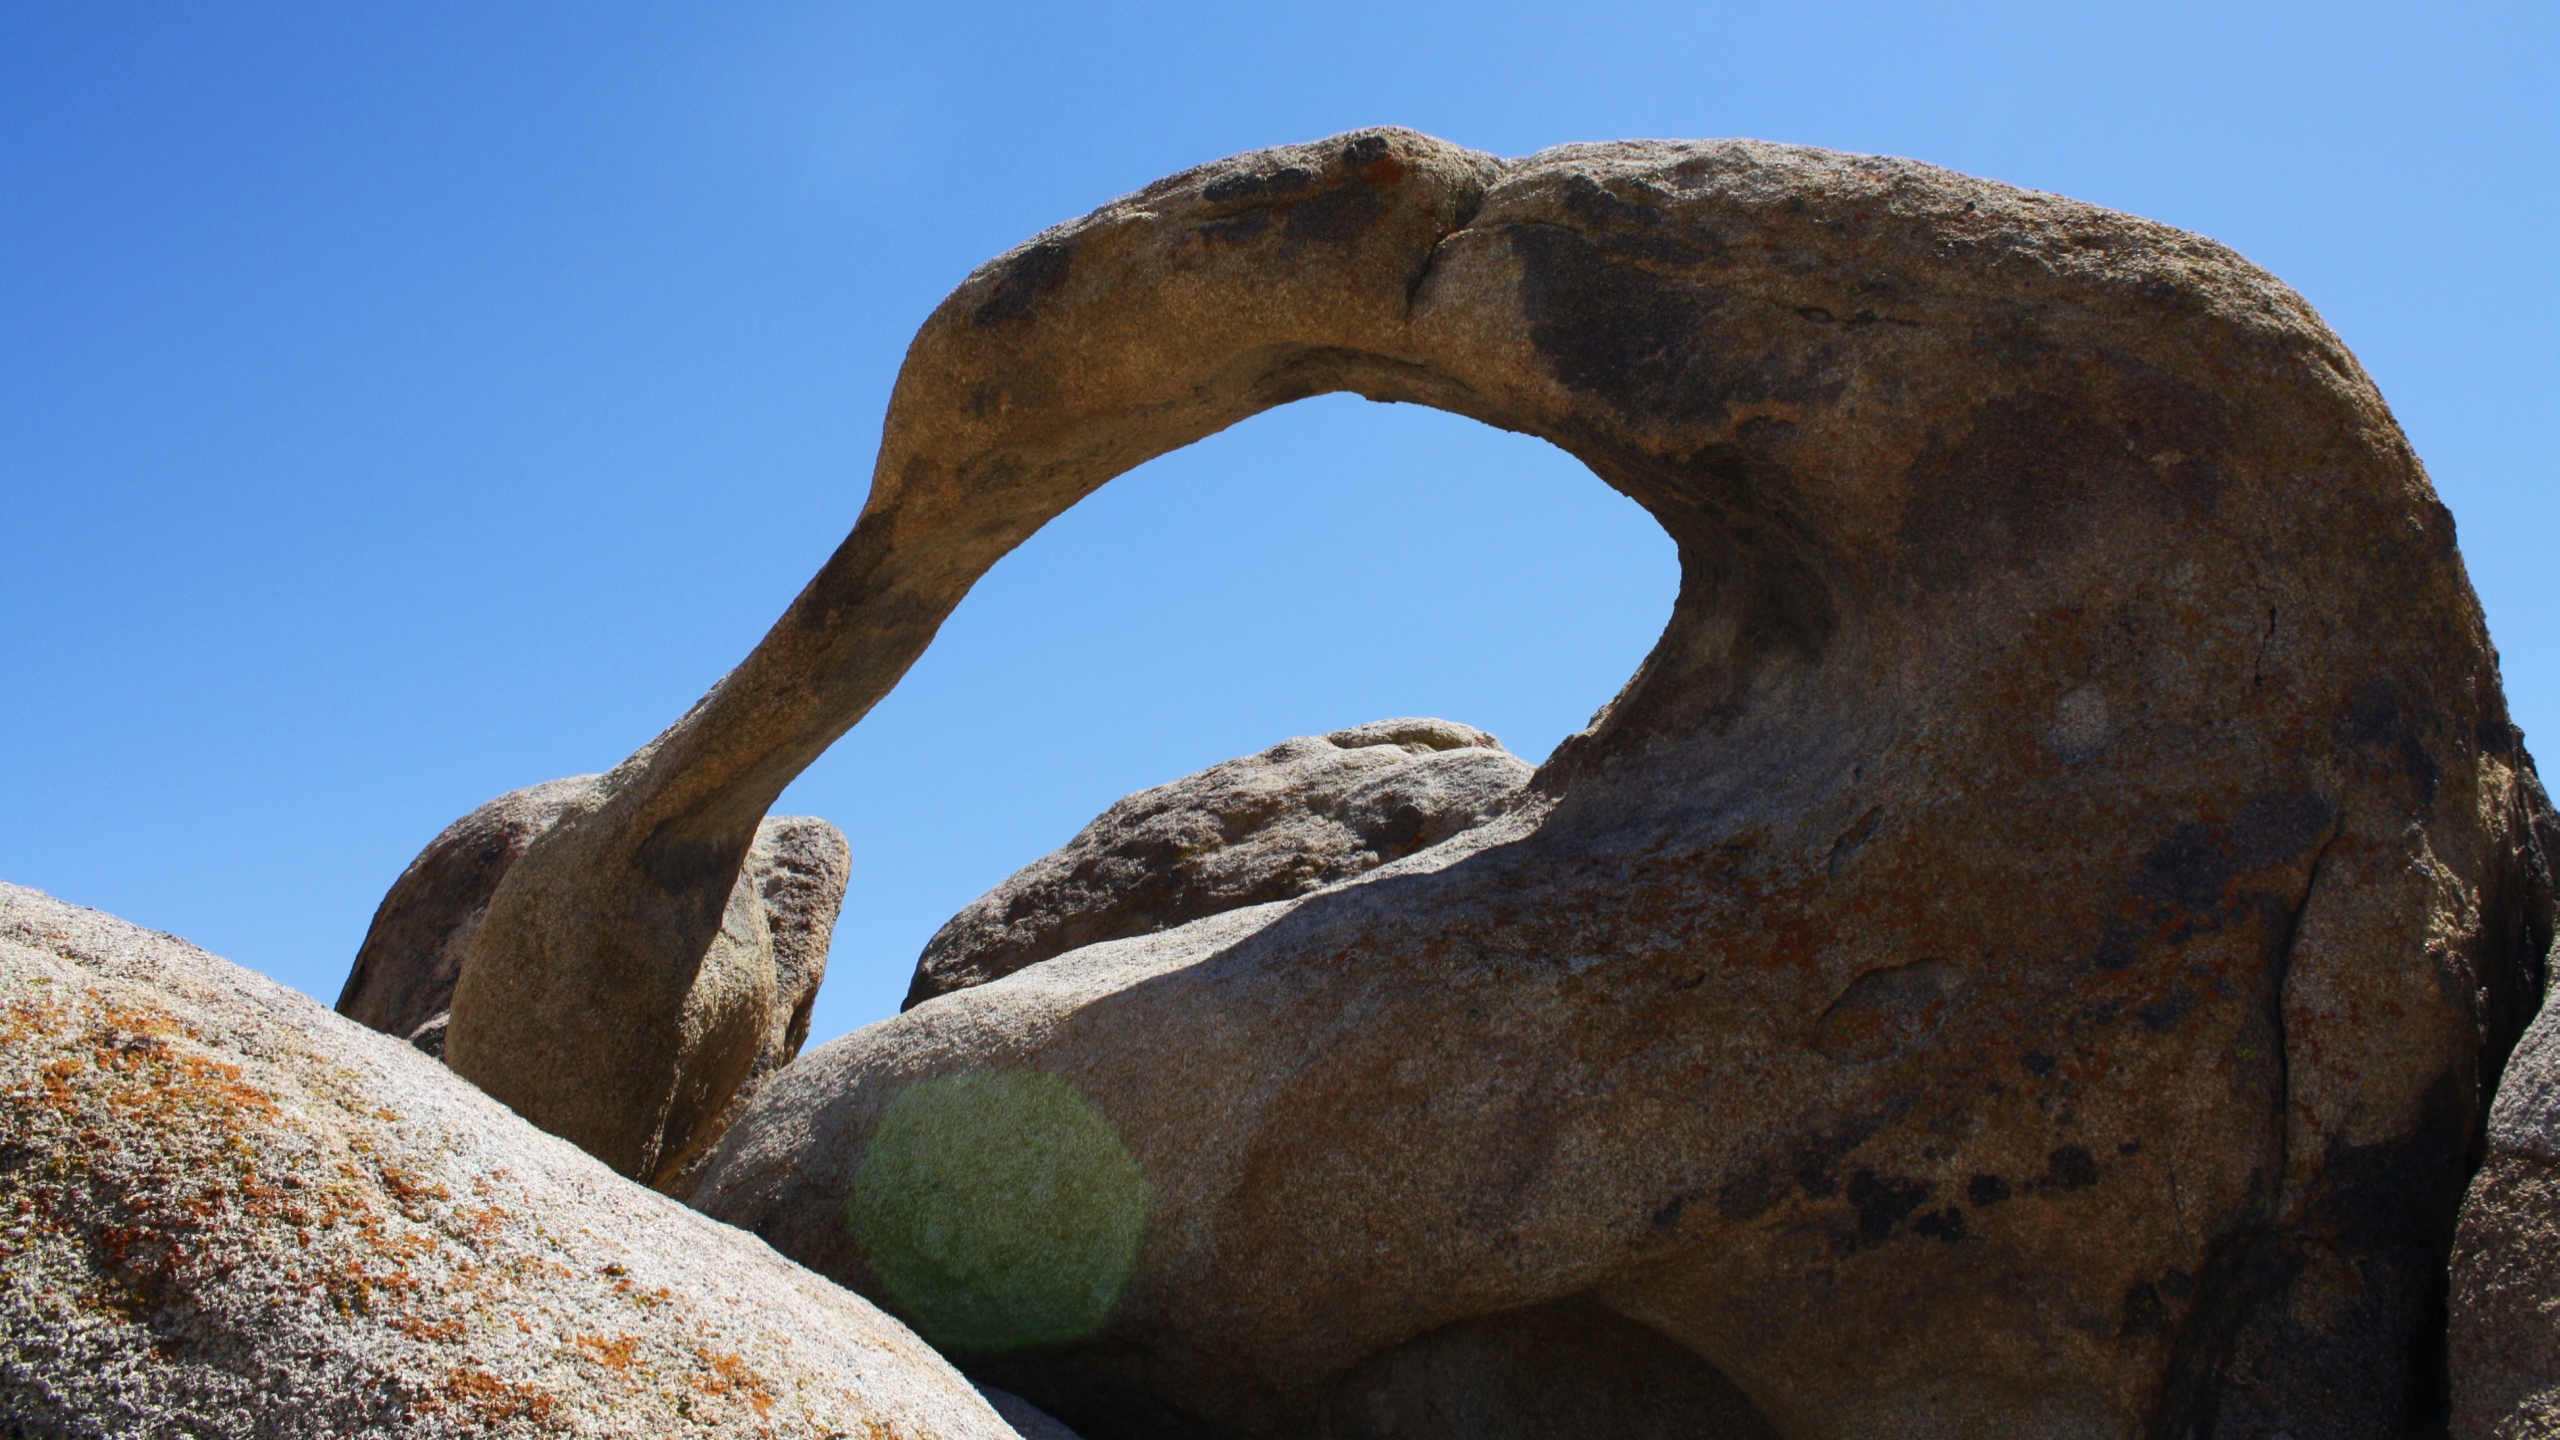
{"x": 1324, "y": 564}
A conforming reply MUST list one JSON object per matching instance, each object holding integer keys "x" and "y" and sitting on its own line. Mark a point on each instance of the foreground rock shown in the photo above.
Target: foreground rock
{"x": 1273, "y": 826}
{"x": 2022, "y": 957}
{"x": 225, "y": 1211}
{"x": 793, "y": 878}
{"x": 2505, "y": 1341}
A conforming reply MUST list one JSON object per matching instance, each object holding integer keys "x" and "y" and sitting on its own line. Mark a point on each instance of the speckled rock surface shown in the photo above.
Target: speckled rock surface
{"x": 227, "y": 1212}
{"x": 2504, "y": 1345}
{"x": 1271, "y": 826}
{"x": 404, "y": 975}
{"x": 402, "y": 980}
{"x": 2024, "y": 955}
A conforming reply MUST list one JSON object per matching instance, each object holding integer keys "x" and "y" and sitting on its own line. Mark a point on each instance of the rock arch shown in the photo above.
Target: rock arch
{"x": 2029, "y": 943}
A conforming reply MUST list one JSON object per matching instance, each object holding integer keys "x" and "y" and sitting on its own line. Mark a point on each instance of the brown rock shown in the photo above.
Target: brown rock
{"x": 1568, "y": 1371}
{"x": 2504, "y": 1343}
{"x": 794, "y": 875}
{"x": 1299, "y": 816}
{"x": 2021, "y": 957}
{"x": 226, "y": 1212}
{"x": 402, "y": 981}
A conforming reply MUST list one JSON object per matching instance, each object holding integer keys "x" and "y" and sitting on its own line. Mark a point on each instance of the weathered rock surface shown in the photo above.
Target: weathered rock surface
{"x": 2504, "y": 1344}
{"x": 402, "y": 980}
{"x": 225, "y": 1211}
{"x": 2024, "y": 956}
{"x": 1273, "y": 826}
{"x": 404, "y": 975}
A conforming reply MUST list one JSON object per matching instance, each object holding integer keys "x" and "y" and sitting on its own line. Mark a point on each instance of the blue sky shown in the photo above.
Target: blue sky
{"x": 402, "y": 404}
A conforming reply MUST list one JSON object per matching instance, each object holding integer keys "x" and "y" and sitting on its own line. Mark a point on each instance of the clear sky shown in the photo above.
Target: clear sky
{"x": 400, "y": 404}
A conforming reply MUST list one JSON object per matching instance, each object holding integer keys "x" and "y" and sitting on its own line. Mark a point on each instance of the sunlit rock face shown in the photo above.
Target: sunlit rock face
{"x": 227, "y": 1212}
{"x": 1300, "y": 815}
{"x": 2026, "y": 954}
{"x": 745, "y": 1015}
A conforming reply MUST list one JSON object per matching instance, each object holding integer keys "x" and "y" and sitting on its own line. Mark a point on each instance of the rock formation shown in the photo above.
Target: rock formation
{"x": 2026, "y": 954}
{"x": 794, "y": 876}
{"x": 2505, "y": 1321}
{"x": 226, "y": 1212}
{"x": 1273, "y": 826}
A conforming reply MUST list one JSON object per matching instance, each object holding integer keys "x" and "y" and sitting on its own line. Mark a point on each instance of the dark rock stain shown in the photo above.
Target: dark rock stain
{"x": 2335, "y": 1325}
{"x": 2068, "y": 1168}
{"x": 1332, "y": 208}
{"x": 2380, "y": 722}
{"x": 1986, "y": 1190}
{"x": 1031, "y": 276}
{"x": 2036, "y": 472}
{"x": 1650, "y": 347}
{"x": 1881, "y": 1203}
{"x": 2186, "y": 884}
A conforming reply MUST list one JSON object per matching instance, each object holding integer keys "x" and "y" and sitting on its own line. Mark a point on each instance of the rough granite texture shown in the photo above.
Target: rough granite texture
{"x": 1297, "y": 817}
{"x": 227, "y": 1212}
{"x": 413, "y": 955}
{"x": 2504, "y": 1338}
{"x": 2025, "y": 955}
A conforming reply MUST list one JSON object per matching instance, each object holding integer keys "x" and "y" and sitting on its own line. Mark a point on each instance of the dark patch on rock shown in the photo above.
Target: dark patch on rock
{"x": 2069, "y": 1167}
{"x": 1030, "y": 277}
{"x": 1882, "y": 1203}
{"x": 2145, "y": 1316}
{"x": 2040, "y": 472}
{"x": 2185, "y": 885}
{"x": 2379, "y": 722}
{"x": 1986, "y": 1190}
{"x": 2165, "y": 1013}
{"x": 1641, "y": 343}
{"x": 2336, "y": 1328}
{"x": 1288, "y": 182}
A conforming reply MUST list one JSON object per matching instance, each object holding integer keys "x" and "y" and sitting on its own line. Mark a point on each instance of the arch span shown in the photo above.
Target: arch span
{"x": 1941, "y": 991}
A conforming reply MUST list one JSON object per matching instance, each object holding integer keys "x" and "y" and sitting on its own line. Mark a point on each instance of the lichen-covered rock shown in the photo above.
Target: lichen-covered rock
{"x": 1272, "y": 826}
{"x": 2024, "y": 956}
{"x": 413, "y": 956}
{"x": 226, "y": 1212}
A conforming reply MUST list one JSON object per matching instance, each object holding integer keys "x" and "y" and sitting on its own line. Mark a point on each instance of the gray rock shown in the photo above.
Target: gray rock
{"x": 1273, "y": 826}
{"x": 227, "y": 1212}
{"x": 414, "y": 954}
{"x": 2021, "y": 957}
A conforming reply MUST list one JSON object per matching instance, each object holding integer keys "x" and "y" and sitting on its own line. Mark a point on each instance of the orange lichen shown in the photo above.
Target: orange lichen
{"x": 732, "y": 1373}
{"x": 613, "y": 1354}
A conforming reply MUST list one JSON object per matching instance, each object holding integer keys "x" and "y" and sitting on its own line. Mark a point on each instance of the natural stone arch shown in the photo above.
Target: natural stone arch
{"x": 2036, "y": 922}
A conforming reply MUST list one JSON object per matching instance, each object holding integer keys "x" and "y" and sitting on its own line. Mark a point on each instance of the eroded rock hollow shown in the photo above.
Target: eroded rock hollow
{"x": 2027, "y": 953}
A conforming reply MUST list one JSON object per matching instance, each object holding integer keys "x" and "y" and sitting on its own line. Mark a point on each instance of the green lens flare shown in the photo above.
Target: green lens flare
{"x": 999, "y": 1210}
